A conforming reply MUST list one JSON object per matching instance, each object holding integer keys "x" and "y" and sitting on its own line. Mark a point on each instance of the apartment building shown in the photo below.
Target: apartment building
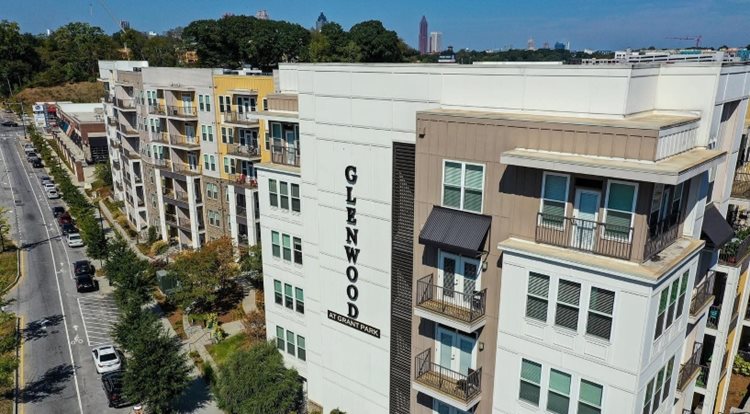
{"x": 511, "y": 238}
{"x": 122, "y": 80}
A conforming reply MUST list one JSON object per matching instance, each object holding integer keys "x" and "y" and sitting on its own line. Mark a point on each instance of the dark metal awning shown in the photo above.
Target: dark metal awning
{"x": 715, "y": 227}
{"x": 456, "y": 231}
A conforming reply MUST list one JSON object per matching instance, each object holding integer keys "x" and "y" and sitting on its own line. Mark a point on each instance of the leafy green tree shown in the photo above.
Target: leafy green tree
{"x": 204, "y": 275}
{"x": 8, "y": 342}
{"x": 103, "y": 172}
{"x": 133, "y": 40}
{"x": 4, "y": 227}
{"x": 375, "y": 42}
{"x": 132, "y": 277}
{"x": 19, "y": 57}
{"x": 252, "y": 265}
{"x": 157, "y": 372}
{"x": 93, "y": 235}
{"x": 256, "y": 381}
{"x": 134, "y": 323}
{"x": 71, "y": 53}
{"x": 161, "y": 51}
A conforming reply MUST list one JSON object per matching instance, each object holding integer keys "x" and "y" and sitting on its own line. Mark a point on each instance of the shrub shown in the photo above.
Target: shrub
{"x": 741, "y": 366}
{"x": 159, "y": 247}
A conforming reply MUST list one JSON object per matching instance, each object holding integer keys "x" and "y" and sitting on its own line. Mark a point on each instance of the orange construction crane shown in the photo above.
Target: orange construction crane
{"x": 696, "y": 38}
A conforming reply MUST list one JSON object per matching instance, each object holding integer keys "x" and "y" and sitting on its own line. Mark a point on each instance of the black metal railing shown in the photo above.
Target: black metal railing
{"x": 741, "y": 185}
{"x": 465, "y": 307}
{"x": 661, "y": 236}
{"x": 734, "y": 251}
{"x": 689, "y": 368}
{"x": 183, "y": 111}
{"x": 285, "y": 155}
{"x": 464, "y": 387}
{"x": 240, "y": 118}
{"x": 703, "y": 294}
{"x": 242, "y": 211}
{"x": 585, "y": 235}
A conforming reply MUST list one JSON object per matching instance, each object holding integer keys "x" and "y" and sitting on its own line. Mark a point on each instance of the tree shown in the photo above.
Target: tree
{"x": 252, "y": 265}
{"x": 103, "y": 172}
{"x": 93, "y": 234}
{"x": 19, "y": 57}
{"x": 134, "y": 324}
{"x": 255, "y": 326}
{"x": 375, "y": 42}
{"x": 71, "y": 53}
{"x": 132, "y": 277}
{"x": 4, "y": 227}
{"x": 256, "y": 381}
{"x": 158, "y": 372}
{"x": 204, "y": 274}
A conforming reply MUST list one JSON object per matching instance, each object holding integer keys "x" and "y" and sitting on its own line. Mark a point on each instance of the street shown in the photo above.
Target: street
{"x": 59, "y": 325}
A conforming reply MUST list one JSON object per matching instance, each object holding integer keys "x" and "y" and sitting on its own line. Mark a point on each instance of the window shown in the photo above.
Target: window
{"x": 299, "y": 300}
{"x": 228, "y": 102}
{"x": 212, "y": 159}
{"x": 287, "y": 245}
{"x": 277, "y": 298}
{"x": 226, "y": 164}
{"x": 210, "y": 133}
{"x": 205, "y": 161}
{"x": 462, "y": 186}
{"x": 208, "y": 102}
{"x": 284, "y": 192}
{"x": 275, "y": 244}
{"x": 265, "y": 104}
{"x": 214, "y": 218}
{"x": 295, "y": 198}
{"x": 297, "y": 250}
{"x": 558, "y": 397}
{"x": 301, "y": 352}
{"x": 647, "y": 399}
{"x": 668, "y": 379}
{"x": 280, "y": 338}
{"x": 568, "y": 297}
{"x": 221, "y": 103}
{"x": 590, "y": 398}
{"x": 531, "y": 379}
{"x": 683, "y": 291}
{"x": 223, "y": 135}
{"x": 290, "y": 342}
{"x": 537, "y": 298}
{"x": 274, "y": 196}
{"x": 601, "y": 305}
{"x": 288, "y": 299}
{"x": 276, "y": 130}
{"x": 672, "y": 300}
{"x": 554, "y": 199}
{"x": 663, "y": 299}
{"x": 230, "y": 135}
{"x": 619, "y": 211}
{"x": 676, "y": 202}
{"x": 657, "y": 390}
{"x": 201, "y": 104}
{"x": 212, "y": 191}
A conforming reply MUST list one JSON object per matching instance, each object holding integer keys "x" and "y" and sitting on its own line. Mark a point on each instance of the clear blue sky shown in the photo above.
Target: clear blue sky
{"x": 476, "y": 24}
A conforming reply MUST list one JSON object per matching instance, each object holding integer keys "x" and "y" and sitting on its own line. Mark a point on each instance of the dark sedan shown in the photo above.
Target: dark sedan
{"x": 83, "y": 267}
{"x": 9, "y": 124}
{"x": 112, "y": 384}
{"x": 86, "y": 283}
{"x": 58, "y": 210}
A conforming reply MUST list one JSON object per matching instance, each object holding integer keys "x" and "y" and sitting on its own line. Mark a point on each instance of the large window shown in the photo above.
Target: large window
{"x": 273, "y": 192}
{"x": 671, "y": 302}
{"x": 663, "y": 300}
{"x": 286, "y": 247}
{"x": 531, "y": 380}
{"x": 554, "y": 199}
{"x": 673, "y": 293}
{"x": 288, "y": 298}
{"x": 668, "y": 379}
{"x": 683, "y": 291}
{"x": 275, "y": 244}
{"x": 619, "y": 211}
{"x": 601, "y": 306}
{"x": 537, "y": 298}
{"x": 277, "y": 293}
{"x": 558, "y": 397}
{"x": 463, "y": 186}
{"x": 649, "y": 396}
{"x": 568, "y": 298}
{"x": 589, "y": 398}
{"x": 657, "y": 390}
{"x": 280, "y": 196}
{"x": 299, "y": 300}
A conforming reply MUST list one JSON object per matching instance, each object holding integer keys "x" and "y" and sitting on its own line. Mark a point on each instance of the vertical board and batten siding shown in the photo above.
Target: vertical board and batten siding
{"x": 672, "y": 143}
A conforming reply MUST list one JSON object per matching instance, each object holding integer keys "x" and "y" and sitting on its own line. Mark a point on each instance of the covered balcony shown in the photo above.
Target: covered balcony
{"x": 182, "y": 111}
{"x": 125, "y": 104}
{"x": 703, "y": 297}
{"x": 690, "y": 369}
{"x": 285, "y": 155}
{"x": 460, "y": 310}
{"x": 185, "y": 142}
{"x": 461, "y": 390}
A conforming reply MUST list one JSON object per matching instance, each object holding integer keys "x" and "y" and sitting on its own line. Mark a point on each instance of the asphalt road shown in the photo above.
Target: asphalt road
{"x": 58, "y": 373}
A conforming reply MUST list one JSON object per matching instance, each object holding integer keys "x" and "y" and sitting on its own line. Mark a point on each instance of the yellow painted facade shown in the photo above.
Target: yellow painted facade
{"x": 730, "y": 344}
{"x": 223, "y": 86}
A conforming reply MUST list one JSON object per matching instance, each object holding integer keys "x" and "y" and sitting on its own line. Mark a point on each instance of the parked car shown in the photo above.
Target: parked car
{"x": 37, "y": 163}
{"x": 112, "y": 384}
{"x": 9, "y": 124}
{"x": 52, "y": 194}
{"x": 31, "y": 155}
{"x": 45, "y": 179}
{"x": 86, "y": 283}
{"x": 27, "y": 148}
{"x": 57, "y": 211}
{"x": 74, "y": 240}
{"x": 68, "y": 228}
{"x": 83, "y": 267}
{"x": 64, "y": 218}
{"x": 106, "y": 359}
{"x": 49, "y": 186}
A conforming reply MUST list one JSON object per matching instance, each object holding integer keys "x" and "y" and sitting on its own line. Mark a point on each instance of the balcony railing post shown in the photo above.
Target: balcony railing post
{"x": 463, "y": 306}
{"x": 584, "y": 235}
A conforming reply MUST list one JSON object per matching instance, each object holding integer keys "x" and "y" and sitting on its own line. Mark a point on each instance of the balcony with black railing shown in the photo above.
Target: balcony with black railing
{"x": 285, "y": 155}
{"x": 457, "y": 309}
{"x": 241, "y": 118}
{"x": 736, "y": 250}
{"x": 690, "y": 369}
{"x": 182, "y": 111}
{"x": 243, "y": 180}
{"x": 463, "y": 390}
{"x": 604, "y": 239}
{"x": 714, "y": 314}
{"x": 241, "y": 150}
{"x": 703, "y": 296}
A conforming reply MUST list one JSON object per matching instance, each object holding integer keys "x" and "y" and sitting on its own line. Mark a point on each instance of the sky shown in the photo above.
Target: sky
{"x": 474, "y": 24}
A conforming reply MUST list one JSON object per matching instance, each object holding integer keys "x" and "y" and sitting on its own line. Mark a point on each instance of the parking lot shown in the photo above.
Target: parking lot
{"x": 99, "y": 315}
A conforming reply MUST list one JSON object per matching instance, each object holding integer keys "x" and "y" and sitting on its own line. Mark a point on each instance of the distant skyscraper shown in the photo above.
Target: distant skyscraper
{"x": 436, "y": 39}
{"x": 423, "y": 45}
{"x": 321, "y": 21}
{"x": 262, "y": 15}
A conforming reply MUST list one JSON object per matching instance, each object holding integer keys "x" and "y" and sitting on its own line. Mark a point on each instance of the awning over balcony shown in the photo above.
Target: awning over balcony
{"x": 715, "y": 227}
{"x": 456, "y": 231}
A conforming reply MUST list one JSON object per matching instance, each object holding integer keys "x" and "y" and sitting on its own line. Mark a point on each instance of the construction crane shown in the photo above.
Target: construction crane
{"x": 696, "y": 38}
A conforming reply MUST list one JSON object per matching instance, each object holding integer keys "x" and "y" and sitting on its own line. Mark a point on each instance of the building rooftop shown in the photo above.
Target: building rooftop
{"x": 84, "y": 113}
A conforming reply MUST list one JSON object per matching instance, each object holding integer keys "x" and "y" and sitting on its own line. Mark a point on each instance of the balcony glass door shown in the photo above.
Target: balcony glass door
{"x": 192, "y": 160}
{"x": 585, "y": 212}
{"x": 189, "y": 133}
{"x": 454, "y": 350}
{"x": 459, "y": 277}
{"x": 187, "y": 104}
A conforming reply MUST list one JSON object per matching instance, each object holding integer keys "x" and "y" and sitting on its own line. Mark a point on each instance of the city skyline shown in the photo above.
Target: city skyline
{"x": 480, "y": 26}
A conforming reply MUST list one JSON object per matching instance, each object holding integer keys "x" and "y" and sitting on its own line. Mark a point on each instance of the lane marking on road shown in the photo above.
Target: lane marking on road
{"x": 99, "y": 316}
{"x": 57, "y": 280}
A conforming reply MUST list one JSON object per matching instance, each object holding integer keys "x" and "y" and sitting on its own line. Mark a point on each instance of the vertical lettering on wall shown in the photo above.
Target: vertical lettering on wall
{"x": 352, "y": 233}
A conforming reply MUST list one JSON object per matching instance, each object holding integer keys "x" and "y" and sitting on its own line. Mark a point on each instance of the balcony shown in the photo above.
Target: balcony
{"x": 182, "y": 111}
{"x": 702, "y": 379}
{"x": 125, "y": 103}
{"x": 737, "y": 249}
{"x": 187, "y": 169}
{"x": 285, "y": 155}
{"x": 690, "y": 369}
{"x": 131, "y": 155}
{"x": 714, "y": 313}
{"x": 460, "y": 390}
{"x": 242, "y": 211}
{"x": 176, "y": 195}
{"x": 127, "y": 130}
{"x": 241, "y": 118}
{"x": 170, "y": 219}
{"x": 243, "y": 180}
{"x": 741, "y": 184}
{"x": 459, "y": 310}
{"x": 160, "y": 137}
{"x": 115, "y": 143}
{"x": 160, "y": 162}
{"x": 184, "y": 142}
{"x": 702, "y": 298}
{"x": 601, "y": 238}
{"x": 112, "y": 121}
{"x": 157, "y": 109}
{"x": 240, "y": 150}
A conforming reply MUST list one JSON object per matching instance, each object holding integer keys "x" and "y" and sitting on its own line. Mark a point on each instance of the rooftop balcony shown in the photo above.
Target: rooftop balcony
{"x": 736, "y": 250}
{"x": 689, "y": 370}
{"x": 602, "y": 238}
{"x": 285, "y": 155}
{"x": 182, "y": 111}
{"x": 459, "y": 310}
{"x": 462, "y": 391}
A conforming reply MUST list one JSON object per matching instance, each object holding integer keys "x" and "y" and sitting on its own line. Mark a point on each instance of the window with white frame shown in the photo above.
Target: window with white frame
{"x": 673, "y": 293}
{"x": 286, "y": 244}
{"x": 668, "y": 379}
{"x": 214, "y": 218}
{"x": 204, "y": 132}
{"x": 297, "y": 245}
{"x": 663, "y": 301}
{"x": 683, "y": 292}
{"x": 273, "y": 193}
{"x": 212, "y": 191}
{"x": 284, "y": 195}
{"x": 201, "y": 103}
{"x": 463, "y": 185}
{"x": 277, "y": 292}
{"x": 657, "y": 390}
{"x": 531, "y": 382}
{"x": 288, "y": 298}
{"x": 568, "y": 299}
{"x": 290, "y": 343}
{"x": 275, "y": 244}
{"x": 554, "y": 199}
{"x": 301, "y": 350}
{"x": 620, "y": 209}
{"x": 537, "y": 299}
{"x": 590, "y": 398}
{"x": 280, "y": 338}
{"x": 286, "y": 247}
{"x": 222, "y": 108}
{"x": 601, "y": 307}
{"x": 299, "y": 300}
{"x": 558, "y": 395}
{"x": 296, "y": 204}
